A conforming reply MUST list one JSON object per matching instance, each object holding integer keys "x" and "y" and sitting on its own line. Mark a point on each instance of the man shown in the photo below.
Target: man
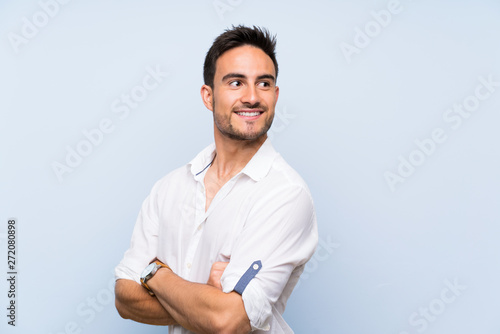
{"x": 220, "y": 243}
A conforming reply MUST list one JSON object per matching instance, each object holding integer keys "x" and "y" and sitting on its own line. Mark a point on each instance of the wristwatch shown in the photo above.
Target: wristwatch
{"x": 149, "y": 272}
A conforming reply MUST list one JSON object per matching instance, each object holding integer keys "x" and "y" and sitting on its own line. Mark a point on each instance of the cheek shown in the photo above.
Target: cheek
{"x": 224, "y": 103}
{"x": 271, "y": 98}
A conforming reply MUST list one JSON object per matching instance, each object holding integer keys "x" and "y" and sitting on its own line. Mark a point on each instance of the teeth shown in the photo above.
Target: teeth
{"x": 255, "y": 113}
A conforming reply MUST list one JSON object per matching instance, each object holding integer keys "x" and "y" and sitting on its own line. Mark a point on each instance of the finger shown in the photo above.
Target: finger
{"x": 219, "y": 265}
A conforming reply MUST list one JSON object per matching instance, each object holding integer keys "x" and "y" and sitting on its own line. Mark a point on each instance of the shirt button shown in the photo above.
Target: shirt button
{"x": 200, "y": 227}
{"x": 188, "y": 265}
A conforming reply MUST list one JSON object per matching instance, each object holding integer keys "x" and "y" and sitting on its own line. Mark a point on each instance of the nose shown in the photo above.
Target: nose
{"x": 250, "y": 95}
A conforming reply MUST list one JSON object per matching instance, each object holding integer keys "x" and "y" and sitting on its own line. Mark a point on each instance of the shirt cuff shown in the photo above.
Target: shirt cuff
{"x": 124, "y": 272}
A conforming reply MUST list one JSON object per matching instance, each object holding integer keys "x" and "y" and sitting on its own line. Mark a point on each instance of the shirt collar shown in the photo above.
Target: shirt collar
{"x": 256, "y": 168}
{"x": 261, "y": 162}
{"x": 203, "y": 160}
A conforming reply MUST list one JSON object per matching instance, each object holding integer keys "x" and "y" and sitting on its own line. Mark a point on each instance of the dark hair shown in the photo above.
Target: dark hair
{"x": 235, "y": 37}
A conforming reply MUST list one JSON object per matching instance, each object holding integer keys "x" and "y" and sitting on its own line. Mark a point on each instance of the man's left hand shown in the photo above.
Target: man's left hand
{"x": 216, "y": 273}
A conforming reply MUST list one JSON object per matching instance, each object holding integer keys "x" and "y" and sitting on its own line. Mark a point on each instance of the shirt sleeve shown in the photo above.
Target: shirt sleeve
{"x": 281, "y": 232}
{"x": 144, "y": 242}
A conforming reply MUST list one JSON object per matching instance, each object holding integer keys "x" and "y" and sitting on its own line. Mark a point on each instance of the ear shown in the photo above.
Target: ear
{"x": 277, "y": 92}
{"x": 207, "y": 97}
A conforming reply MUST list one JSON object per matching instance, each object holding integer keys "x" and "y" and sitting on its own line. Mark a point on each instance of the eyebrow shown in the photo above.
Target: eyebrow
{"x": 238, "y": 75}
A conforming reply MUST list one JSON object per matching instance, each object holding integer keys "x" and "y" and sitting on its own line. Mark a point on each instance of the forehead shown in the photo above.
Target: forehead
{"x": 247, "y": 60}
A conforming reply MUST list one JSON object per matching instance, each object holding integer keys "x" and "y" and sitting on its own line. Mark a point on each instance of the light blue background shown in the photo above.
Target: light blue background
{"x": 384, "y": 255}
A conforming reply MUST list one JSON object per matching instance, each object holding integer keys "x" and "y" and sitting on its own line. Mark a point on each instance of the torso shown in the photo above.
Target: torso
{"x": 212, "y": 186}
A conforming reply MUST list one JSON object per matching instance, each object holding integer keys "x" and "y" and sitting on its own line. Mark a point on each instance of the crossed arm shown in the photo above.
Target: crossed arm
{"x": 201, "y": 308}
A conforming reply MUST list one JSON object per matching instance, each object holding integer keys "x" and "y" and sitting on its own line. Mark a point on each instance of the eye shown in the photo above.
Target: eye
{"x": 264, "y": 84}
{"x": 235, "y": 83}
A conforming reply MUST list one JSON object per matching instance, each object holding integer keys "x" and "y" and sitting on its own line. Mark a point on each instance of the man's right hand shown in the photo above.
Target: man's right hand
{"x": 216, "y": 273}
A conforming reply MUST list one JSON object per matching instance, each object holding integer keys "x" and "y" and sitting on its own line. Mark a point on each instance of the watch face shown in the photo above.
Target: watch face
{"x": 148, "y": 270}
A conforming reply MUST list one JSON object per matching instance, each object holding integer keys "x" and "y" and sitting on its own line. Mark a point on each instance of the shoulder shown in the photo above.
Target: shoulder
{"x": 282, "y": 186}
{"x": 282, "y": 200}
{"x": 285, "y": 178}
{"x": 186, "y": 173}
{"x": 172, "y": 181}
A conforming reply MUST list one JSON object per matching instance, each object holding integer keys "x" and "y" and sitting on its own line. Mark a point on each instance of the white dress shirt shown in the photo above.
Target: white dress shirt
{"x": 264, "y": 213}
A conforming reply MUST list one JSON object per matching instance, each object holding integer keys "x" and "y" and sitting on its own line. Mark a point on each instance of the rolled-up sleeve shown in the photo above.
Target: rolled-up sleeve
{"x": 281, "y": 232}
{"x": 144, "y": 243}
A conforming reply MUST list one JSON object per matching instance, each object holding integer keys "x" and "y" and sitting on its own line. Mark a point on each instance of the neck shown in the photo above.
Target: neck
{"x": 233, "y": 155}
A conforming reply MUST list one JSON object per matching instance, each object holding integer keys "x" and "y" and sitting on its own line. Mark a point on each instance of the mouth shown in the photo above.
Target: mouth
{"x": 249, "y": 114}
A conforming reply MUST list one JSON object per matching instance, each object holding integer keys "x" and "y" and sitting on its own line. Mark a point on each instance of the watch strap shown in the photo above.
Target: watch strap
{"x": 144, "y": 280}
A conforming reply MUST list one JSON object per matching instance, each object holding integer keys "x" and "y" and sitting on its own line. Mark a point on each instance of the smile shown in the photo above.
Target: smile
{"x": 249, "y": 113}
